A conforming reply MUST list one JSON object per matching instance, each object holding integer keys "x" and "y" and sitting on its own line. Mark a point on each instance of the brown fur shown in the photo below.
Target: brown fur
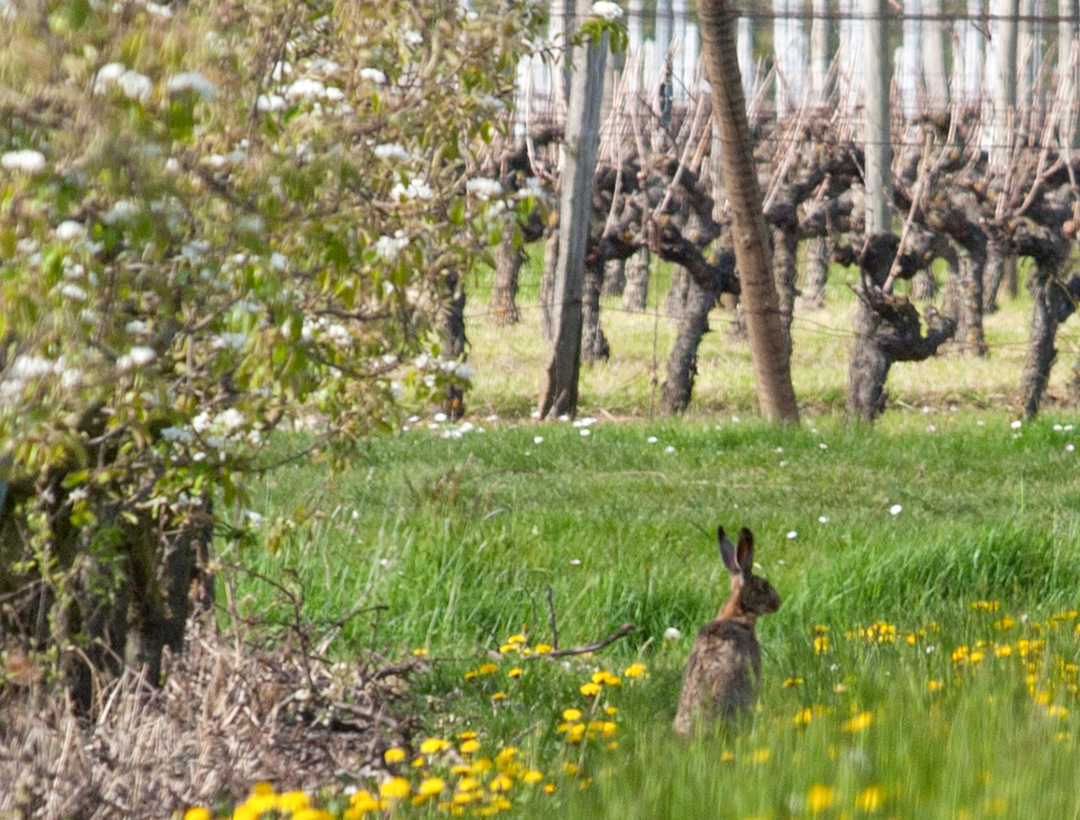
{"x": 725, "y": 663}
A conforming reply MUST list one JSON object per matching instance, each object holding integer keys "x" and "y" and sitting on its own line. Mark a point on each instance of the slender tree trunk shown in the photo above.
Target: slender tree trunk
{"x": 768, "y": 347}
{"x": 594, "y": 345}
{"x": 923, "y": 286}
{"x": 560, "y": 389}
{"x": 547, "y": 285}
{"x": 907, "y": 80}
{"x": 614, "y": 278}
{"x": 677, "y": 292}
{"x": 817, "y": 273}
{"x": 454, "y": 341}
{"x": 1054, "y": 301}
{"x": 785, "y": 246}
{"x": 682, "y": 362}
{"x": 1068, "y": 74}
{"x": 999, "y": 261}
{"x": 635, "y": 295}
{"x": 508, "y": 261}
{"x": 877, "y": 135}
{"x": 1001, "y": 79}
{"x": 964, "y": 299}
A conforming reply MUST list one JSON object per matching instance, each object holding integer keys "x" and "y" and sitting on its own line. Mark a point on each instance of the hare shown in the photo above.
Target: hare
{"x": 718, "y": 682}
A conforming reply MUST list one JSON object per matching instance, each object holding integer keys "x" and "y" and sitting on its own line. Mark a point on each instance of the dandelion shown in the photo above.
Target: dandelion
{"x": 933, "y": 685}
{"x": 542, "y": 648}
{"x": 792, "y": 535}
{"x": 763, "y": 755}
{"x": 790, "y": 682}
{"x": 820, "y": 798}
{"x": 589, "y": 689}
{"x": 516, "y": 672}
{"x": 395, "y": 788}
{"x": 803, "y": 716}
{"x": 895, "y": 509}
{"x": 198, "y": 813}
{"x": 1016, "y": 425}
{"x": 572, "y": 714}
{"x": 636, "y": 670}
{"x": 670, "y": 634}
{"x": 394, "y": 755}
{"x": 532, "y": 776}
{"x": 859, "y": 722}
{"x": 501, "y": 783}
{"x": 605, "y": 679}
{"x": 870, "y": 799}
{"x": 821, "y": 644}
{"x": 433, "y": 745}
{"x": 430, "y": 787}
{"x": 487, "y": 669}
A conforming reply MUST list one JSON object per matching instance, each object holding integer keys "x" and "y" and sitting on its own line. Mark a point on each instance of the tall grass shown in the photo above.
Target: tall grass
{"x": 905, "y": 524}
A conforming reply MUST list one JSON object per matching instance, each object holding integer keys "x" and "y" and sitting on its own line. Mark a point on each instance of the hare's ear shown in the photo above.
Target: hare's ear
{"x": 744, "y": 554}
{"x": 727, "y": 551}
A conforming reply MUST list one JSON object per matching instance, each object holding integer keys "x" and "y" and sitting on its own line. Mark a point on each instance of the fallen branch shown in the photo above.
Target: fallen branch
{"x": 621, "y": 632}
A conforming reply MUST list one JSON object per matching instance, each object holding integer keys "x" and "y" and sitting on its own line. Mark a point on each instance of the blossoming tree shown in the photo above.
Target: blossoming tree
{"x": 207, "y": 234}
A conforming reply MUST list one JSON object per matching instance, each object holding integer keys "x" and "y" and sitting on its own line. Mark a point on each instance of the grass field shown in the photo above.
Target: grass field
{"x": 923, "y": 664}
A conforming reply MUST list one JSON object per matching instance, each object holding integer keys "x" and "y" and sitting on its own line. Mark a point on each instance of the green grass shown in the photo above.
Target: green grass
{"x": 460, "y": 540}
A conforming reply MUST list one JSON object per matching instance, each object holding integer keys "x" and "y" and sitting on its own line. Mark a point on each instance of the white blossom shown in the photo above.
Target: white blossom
{"x": 69, "y": 229}
{"x": 324, "y": 66}
{"x": 417, "y": 189}
{"x": 333, "y": 94}
{"x": 136, "y": 357}
{"x": 672, "y": 634}
{"x": 463, "y": 371}
{"x": 269, "y": 102}
{"x": 392, "y": 150}
{"x": 388, "y": 247}
{"x": 120, "y": 212}
{"x": 374, "y": 75}
{"x": 282, "y": 69}
{"x": 895, "y": 509}
{"x": 483, "y": 188}
{"x": 107, "y": 76}
{"x": 305, "y": 89}
{"x": 176, "y": 434}
{"x": 201, "y": 422}
{"x": 192, "y": 81}
{"x": 607, "y": 10}
{"x": 412, "y": 37}
{"x": 135, "y": 86}
{"x": 231, "y": 341}
{"x": 27, "y": 160}
{"x": 229, "y": 420}
{"x": 73, "y": 291}
{"x": 278, "y": 261}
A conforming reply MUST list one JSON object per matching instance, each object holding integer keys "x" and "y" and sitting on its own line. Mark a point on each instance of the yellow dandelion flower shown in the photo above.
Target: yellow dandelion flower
{"x": 608, "y": 728}
{"x": 431, "y": 787}
{"x": 508, "y": 647}
{"x": 519, "y": 638}
{"x": 542, "y": 648}
{"x": 198, "y": 813}
{"x": 613, "y": 744}
{"x": 934, "y": 685}
{"x": 394, "y": 755}
{"x": 605, "y": 678}
{"x": 859, "y": 722}
{"x": 470, "y": 674}
{"x": 911, "y": 638}
{"x": 506, "y": 756}
{"x": 500, "y": 803}
{"x": 821, "y": 644}
{"x": 763, "y": 755}
{"x": 1057, "y": 710}
{"x": 635, "y": 670}
{"x": 501, "y": 783}
{"x": 395, "y": 788}
{"x": 727, "y": 756}
{"x": 820, "y": 629}
{"x": 975, "y": 657}
{"x": 468, "y": 784}
{"x": 308, "y": 813}
{"x": 575, "y": 733}
{"x": 589, "y": 689}
{"x": 803, "y": 716}
{"x": 420, "y": 652}
{"x": 572, "y": 714}
{"x": 549, "y": 788}
{"x": 470, "y": 735}
{"x": 292, "y": 801}
{"x": 611, "y": 710}
{"x": 499, "y": 696}
{"x": 419, "y": 762}
{"x": 959, "y": 655}
{"x": 469, "y": 746}
{"x": 532, "y": 776}
{"x": 792, "y": 682}
{"x": 870, "y": 799}
{"x": 1005, "y": 623}
{"x": 819, "y": 798}
{"x": 364, "y": 801}
{"x": 1003, "y": 651}
{"x": 570, "y": 768}
{"x": 461, "y": 798}
{"x": 487, "y": 669}
{"x": 516, "y": 672}
{"x": 433, "y": 745}
{"x": 482, "y": 764}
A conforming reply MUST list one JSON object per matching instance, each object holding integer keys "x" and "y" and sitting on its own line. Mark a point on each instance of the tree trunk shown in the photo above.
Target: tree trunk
{"x": 454, "y": 341}
{"x": 508, "y": 261}
{"x": 785, "y": 247}
{"x": 547, "y": 285}
{"x": 817, "y": 273}
{"x": 999, "y": 260}
{"x": 964, "y": 299}
{"x": 923, "y": 286}
{"x": 594, "y": 345}
{"x": 768, "y": 347}
{"x": 682, "y": 362}
{"x": 886, "y": 331}
{"x": 677, "y": 293}
{"x": 1054, "y": 301}
{"x": 560, "y": 389}
{"x": 614, "y": 278}
{"x": 635, "y": 295}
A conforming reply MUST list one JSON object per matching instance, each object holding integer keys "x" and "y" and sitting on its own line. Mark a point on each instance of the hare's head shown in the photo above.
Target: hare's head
{"x": 751, "y": 595}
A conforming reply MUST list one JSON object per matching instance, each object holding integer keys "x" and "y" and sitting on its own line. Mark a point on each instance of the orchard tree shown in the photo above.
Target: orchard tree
{"x": 217, "y": 220}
